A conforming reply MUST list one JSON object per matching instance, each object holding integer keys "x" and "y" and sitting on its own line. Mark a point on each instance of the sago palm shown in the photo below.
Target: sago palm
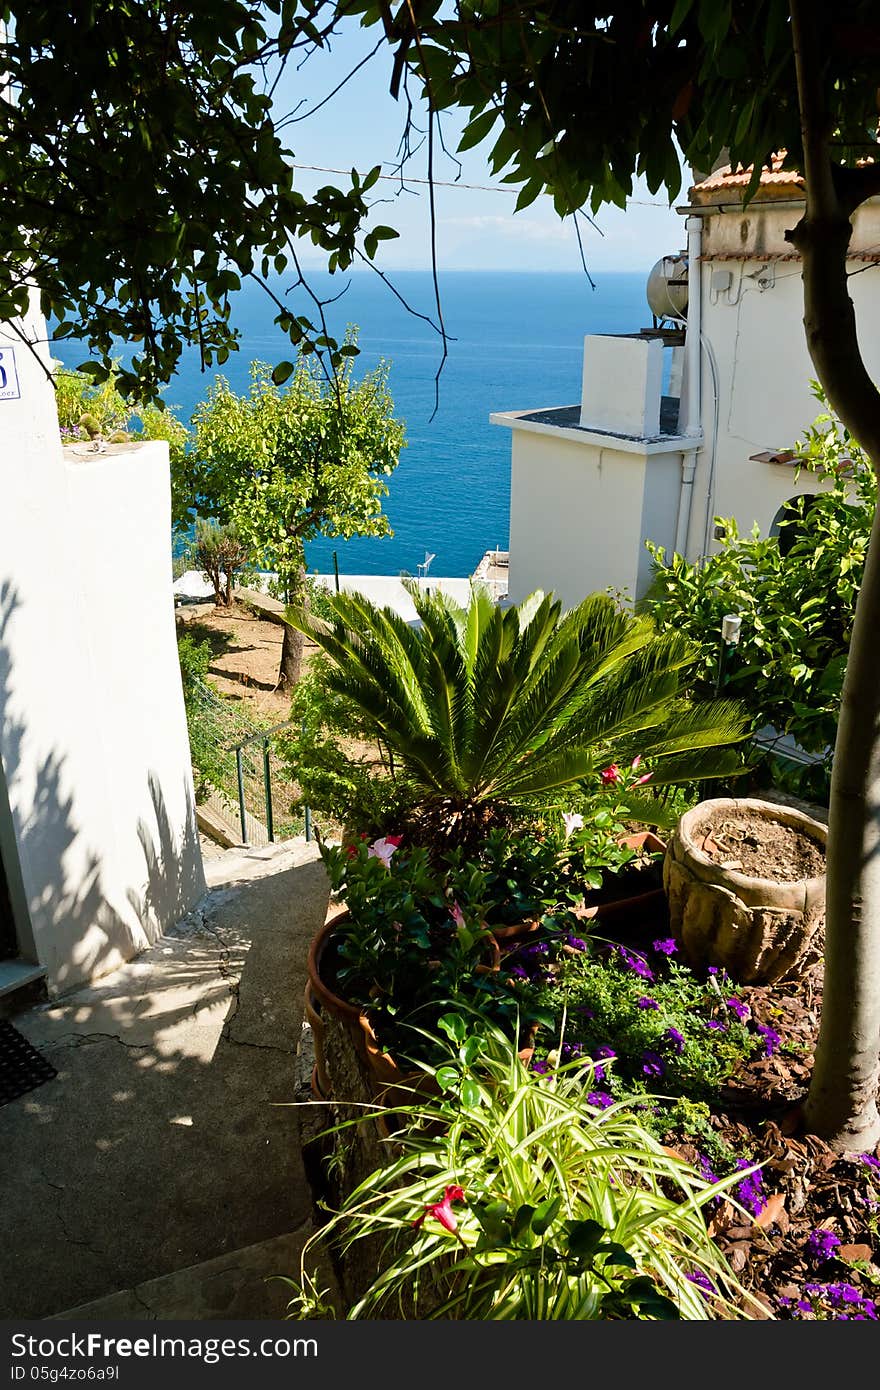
{"x": 484, "y": 706}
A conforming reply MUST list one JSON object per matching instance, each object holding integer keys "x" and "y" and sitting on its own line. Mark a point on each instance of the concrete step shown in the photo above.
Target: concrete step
{"x": 243, "y": 1284}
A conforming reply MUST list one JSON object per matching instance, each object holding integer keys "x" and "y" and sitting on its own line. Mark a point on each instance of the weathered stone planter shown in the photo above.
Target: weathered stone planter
{"x": 759, "y": 929}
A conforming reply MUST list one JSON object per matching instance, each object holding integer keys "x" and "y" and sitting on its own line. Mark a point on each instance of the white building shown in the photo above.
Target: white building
{"x": 591, "y": 482}
{"x": 99, "y": 849}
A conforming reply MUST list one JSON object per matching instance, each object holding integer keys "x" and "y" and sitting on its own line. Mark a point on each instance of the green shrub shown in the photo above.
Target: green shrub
{"x": 796, "y": 595}
{"x": 195, "y": 658}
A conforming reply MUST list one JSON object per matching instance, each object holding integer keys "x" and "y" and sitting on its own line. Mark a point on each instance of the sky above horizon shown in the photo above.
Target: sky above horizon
{"x": 361, "y": 125}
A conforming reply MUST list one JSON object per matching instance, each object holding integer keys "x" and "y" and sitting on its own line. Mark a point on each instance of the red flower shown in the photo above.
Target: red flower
{"x": 611, "y": 775}
{"x": 351, "y": 851}
{"x": 394, "y": 840}
{"x": 442, "y": 1211}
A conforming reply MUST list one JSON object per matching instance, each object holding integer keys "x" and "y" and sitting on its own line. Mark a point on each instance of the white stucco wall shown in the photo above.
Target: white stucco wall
{"x": 580, "y": 512}
{"x": 97, "y": 785}
{"x": 621, "y": 383}
{"x": 763, "y": 370}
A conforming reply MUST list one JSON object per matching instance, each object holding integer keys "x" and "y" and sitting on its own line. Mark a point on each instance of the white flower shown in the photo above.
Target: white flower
{"x": 383, "y": 849}
{"x": 573, "y": 821}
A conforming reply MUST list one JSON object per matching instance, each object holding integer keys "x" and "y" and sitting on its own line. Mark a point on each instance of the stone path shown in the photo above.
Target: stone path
{"x": 161, "y": 1169}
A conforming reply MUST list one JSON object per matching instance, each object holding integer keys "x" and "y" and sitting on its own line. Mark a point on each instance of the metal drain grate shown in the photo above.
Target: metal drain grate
{"x": 22, "y": 1068}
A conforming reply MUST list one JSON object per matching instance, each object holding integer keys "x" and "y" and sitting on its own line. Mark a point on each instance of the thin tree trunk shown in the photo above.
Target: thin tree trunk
{"x": 294, "y": 642}
{"x": 842, "y": 1101}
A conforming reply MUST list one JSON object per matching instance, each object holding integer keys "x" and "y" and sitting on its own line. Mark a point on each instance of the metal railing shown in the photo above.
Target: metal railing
{"x": 239, "y": 771}
{"x": 246, "y": 820}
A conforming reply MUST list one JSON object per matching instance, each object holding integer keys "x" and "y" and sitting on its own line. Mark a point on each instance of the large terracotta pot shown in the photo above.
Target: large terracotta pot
{"x": 759, "y": 929}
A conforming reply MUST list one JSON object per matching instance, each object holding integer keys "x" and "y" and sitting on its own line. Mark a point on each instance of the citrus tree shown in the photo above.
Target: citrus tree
{"x": 286, "y": 464}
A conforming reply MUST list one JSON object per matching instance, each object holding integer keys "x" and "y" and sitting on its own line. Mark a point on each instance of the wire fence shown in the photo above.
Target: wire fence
{"x": 238, "y": 769}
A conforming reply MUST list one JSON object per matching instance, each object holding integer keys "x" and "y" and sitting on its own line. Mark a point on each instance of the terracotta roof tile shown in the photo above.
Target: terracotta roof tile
{"x": 727, "y": 177}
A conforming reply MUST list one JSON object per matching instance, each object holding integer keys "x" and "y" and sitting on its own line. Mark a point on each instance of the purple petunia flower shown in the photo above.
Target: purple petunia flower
{"x": 576, "y": 943}
{"x": 750, "y": 1190}
{"x": 716, "y": 1026}
{"x": 600, "y": 1099}
{"x": 540, "y": 948}
{"x": 737, "y": 1007}
{"x": 570, "y": 1050}
{"x": 844, "y": 1299}
{"x": 635, "y": 963}
{"x": 713, "y": 969}
{"x": 652, "y": 1064}
{"x": 702, "y": 1281}
{"x": 705, "y": 1168}
{"x": 771, "y": 1039}
{"x": 518, "y": 973}
{"x": 821, "y": 1244}
{"x": 676, "y": 1039}
{"x": 871, "y": 1160}
{"x": 602, "y": 1054}
{"x": 646, "y": 1002}
{"x": 541, "y": 1068}
{"x": 667, "y": 947}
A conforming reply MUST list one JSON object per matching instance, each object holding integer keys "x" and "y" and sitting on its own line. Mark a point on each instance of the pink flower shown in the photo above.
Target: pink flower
{"x": 384, "y": 848}
{"x": 611, "y": 775}
{"x": 572, "y": 821}
{"x": 442, "y": 1211}
{"x": 639, "y": 780}
{"x": 457, "y": 915}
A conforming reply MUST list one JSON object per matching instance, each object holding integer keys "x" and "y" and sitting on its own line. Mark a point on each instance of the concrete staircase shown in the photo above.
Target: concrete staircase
{"x": 159, "y": 1175}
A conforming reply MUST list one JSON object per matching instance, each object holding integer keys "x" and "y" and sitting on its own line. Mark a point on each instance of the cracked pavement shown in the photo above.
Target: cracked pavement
{"x": 167, "y": 1140}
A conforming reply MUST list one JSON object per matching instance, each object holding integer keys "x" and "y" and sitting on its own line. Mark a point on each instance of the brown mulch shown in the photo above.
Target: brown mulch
{"x": 806, "y": 1186}
{"x": 752, "y": 844}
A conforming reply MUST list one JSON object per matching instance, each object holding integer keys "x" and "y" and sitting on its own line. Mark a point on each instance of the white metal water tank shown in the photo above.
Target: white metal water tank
{"x": 667, "y": 287}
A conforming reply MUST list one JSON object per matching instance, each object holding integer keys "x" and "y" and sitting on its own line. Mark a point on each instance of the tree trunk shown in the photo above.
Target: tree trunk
{"x": 294, "y": 642}
{"x": 842, "y": 1101}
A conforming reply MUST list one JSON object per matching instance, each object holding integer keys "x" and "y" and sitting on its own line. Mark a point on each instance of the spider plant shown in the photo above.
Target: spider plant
{"x": 512, "y": 1195}
{"x": 482, "y": 707}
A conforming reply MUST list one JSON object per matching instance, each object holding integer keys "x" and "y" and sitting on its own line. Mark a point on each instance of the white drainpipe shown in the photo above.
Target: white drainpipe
{"x": 693, "y": 422}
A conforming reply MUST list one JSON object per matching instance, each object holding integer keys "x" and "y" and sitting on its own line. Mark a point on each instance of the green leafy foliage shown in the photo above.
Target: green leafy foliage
{"x": 209, "y": 762}
{"x": 666, "y": 1028}
{"x": 511, "y": 1197}
{"x": 484, "y": 707}
{"x": 413, "y": 941}
{"x": 285, "y": 465}
{"x": 796, "y": 594}
{"x": 87, "y": 408}
{"x": 143, "y": 227}
{"x": 219, "y": 552}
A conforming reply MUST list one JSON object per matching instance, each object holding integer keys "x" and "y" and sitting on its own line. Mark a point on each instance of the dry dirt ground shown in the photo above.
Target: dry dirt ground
{"x": 246, "y": 656}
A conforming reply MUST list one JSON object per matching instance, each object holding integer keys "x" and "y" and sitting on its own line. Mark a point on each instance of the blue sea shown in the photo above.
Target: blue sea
{"x": 516, "y": 344}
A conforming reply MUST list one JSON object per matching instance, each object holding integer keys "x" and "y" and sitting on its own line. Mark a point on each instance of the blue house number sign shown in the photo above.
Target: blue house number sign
{"x": 9, "y": 388}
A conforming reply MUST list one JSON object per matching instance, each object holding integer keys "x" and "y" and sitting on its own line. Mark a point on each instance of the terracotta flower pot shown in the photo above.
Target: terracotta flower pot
{"x": 759, "y": 928}
{"x": 388, "y": 1081}
{"x": 515, "y": 931}
{"x": 628, "y": 904}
